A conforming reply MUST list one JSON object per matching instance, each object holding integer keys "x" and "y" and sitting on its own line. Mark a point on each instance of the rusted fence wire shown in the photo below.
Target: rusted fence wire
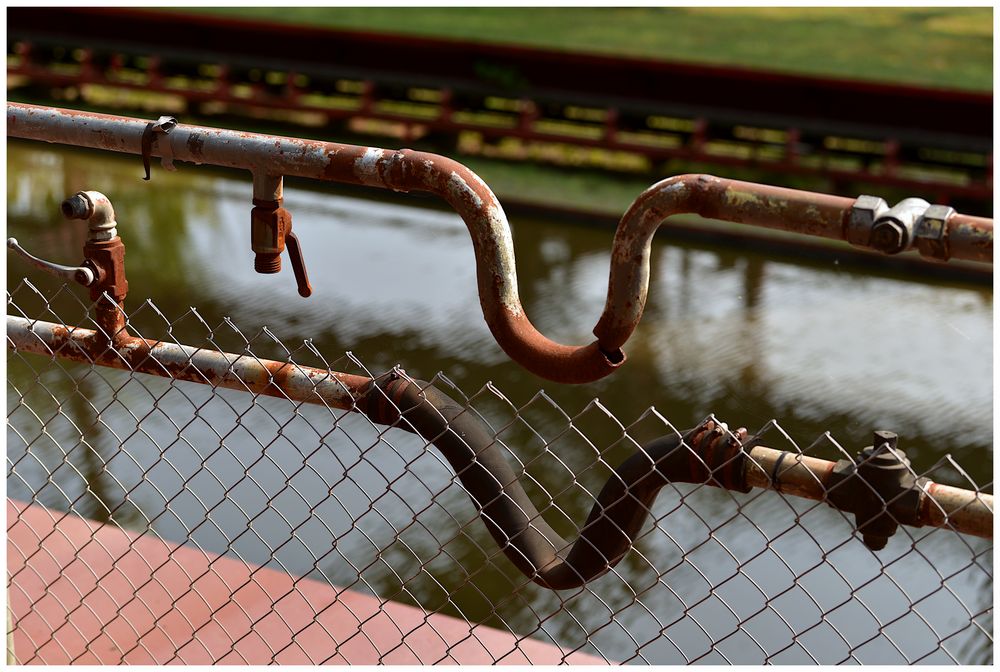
{"x": 154, "y": 518}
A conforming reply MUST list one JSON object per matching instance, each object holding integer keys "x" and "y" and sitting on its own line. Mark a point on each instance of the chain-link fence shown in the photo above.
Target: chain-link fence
{"x": 155, "y": 519}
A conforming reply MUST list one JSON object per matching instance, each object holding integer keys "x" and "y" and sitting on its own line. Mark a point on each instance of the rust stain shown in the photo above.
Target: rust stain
{"x": 195, "y": 145}
{"x": 406, "y": 170}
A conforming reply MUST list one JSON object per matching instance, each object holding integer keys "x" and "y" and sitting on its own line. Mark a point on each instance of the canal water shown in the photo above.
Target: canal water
{"x": 813, "y": 355}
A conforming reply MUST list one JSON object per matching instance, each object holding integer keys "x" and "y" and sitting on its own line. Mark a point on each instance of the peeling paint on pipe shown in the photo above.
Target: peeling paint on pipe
{"x": 181, "y": 362}
{"x": 406, "y": 170}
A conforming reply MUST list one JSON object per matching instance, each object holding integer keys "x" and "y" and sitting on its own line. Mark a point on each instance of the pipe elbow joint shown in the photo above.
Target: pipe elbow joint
{"x": 580, "y": 365}
{"x": 567, "y": 364}
{"x": 96, "y": 208}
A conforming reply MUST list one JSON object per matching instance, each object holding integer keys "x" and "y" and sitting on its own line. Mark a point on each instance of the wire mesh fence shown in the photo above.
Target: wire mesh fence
{"x": 154, "y": 519}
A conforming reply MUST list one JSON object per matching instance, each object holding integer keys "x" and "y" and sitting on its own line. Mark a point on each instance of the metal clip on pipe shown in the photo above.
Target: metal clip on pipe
{"x": 151, "y": 134}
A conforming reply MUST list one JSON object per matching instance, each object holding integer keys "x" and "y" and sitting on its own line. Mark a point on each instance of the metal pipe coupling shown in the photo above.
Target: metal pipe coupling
{"x": 911, "y": 222}
{"x": 892, "y": 231}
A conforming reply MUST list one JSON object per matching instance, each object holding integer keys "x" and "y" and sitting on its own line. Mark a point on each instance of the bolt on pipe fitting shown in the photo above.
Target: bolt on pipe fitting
{"x": 892, "y": 231}
{"x": 911, "y": 222}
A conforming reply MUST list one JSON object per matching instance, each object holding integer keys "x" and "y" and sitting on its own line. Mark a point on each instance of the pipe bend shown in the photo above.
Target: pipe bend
{"x": 406, "y": 170}
{"x": 628, "y": 283}
{"x": 96, "y": 208}
{"x": 496, "y": 272}
{"x": 705, "y": 454}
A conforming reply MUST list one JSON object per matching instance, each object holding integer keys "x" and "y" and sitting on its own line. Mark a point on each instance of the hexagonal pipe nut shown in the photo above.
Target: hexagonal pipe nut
{"x": 930, "y": 232}
{"x": 934, "y": 222}
{"x": 893, "y": 230}
{"x": 888, "y": 237}
{"x": 862, "y": 218}
{"x": 268, "y": 228}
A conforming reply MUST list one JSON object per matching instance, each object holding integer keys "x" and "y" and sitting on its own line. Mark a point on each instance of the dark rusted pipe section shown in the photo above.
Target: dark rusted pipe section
{"x": 271, "y": 157}
{"x": 708, "y": 454}
{"x": 519, "y": 529}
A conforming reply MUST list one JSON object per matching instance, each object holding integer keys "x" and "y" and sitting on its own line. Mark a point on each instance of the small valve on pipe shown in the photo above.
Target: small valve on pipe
{"x": 879, "y": 488}
{"x": 270, "y": 229}
{"x": 94, "y": 207}
{"x": 103, "y": 267}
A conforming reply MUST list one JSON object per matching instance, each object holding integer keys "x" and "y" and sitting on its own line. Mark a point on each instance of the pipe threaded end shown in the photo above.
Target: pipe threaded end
{"x": 267, "y": 263}
{"x": 77, "y": 206}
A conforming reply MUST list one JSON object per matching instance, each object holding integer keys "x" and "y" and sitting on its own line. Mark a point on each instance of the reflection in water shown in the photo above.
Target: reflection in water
{"x": 734, "y": 334}
{"x": 93, "y": 446}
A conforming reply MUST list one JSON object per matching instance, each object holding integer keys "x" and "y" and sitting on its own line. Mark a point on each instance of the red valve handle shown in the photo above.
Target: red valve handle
{"x": 298, "y": 264}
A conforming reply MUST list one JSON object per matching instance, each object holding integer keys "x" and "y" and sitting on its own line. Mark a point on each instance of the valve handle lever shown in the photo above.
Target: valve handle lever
{"x": 298, "y": 264}
{"x": 80, "y": 274}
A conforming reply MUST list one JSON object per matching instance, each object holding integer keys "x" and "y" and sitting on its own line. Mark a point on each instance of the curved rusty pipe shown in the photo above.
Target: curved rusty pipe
{"x": 405, "y": 170}
{"x": 268, "y": 156}
{"x": 708, "y": 454}
{"x": 806, "y": 212}
{"x": 730, "y": 200}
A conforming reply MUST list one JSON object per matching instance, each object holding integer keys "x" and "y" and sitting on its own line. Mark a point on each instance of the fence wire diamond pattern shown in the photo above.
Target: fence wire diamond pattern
{"x": 314, "y": 529}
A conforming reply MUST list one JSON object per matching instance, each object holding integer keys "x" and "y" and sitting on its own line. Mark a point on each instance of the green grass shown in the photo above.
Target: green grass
{"x": 937, "y": 46}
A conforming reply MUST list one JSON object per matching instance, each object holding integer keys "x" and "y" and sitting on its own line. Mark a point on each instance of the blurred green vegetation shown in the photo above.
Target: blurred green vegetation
{"x": 936, "y": 46}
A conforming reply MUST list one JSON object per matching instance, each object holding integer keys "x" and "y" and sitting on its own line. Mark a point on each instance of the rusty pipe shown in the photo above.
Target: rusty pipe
{"x": 968, "y": 237}
{"x": 708, "y": 196}
{"x": 405, "y": 170}
{"x": 708, "y": 454}
{"x": 270, "y": 157}
{"x": 965, "y": 511}
{"x": 181, "y": 362}
{"x": 779, "y": 208}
